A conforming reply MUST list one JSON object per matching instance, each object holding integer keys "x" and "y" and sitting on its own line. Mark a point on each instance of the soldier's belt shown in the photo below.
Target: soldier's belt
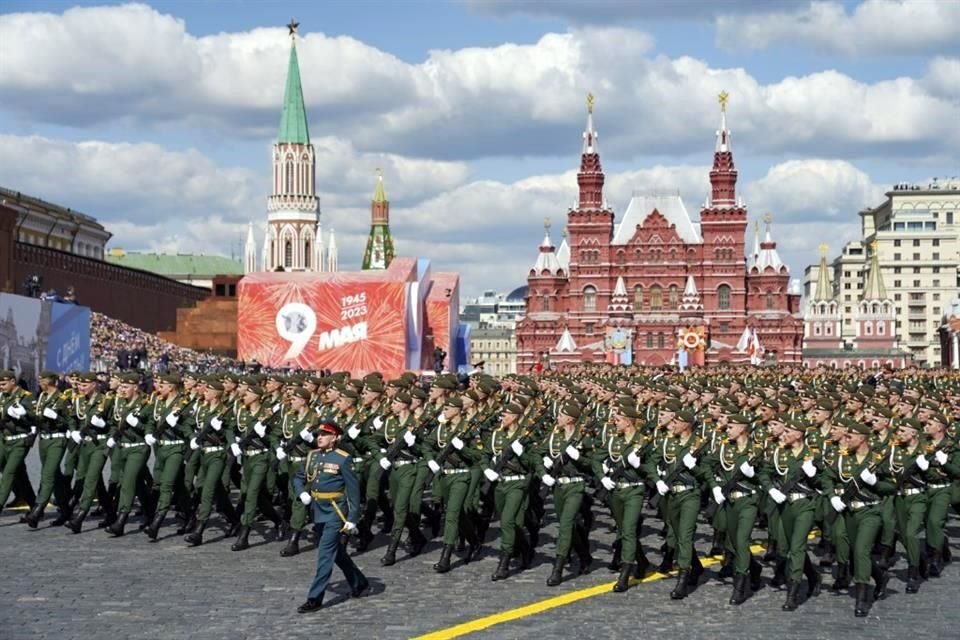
{"x": 680, "y": 488}
{"x": 511, "y": 478}
{"x": 50, "y": 436}
{"x": 455, "y": 471}
{"x": 128, "y": 445}
{"x": 165, "y": 443}
{"x": 914, "y": 491}
{"x": 736, "y": 495}
{"x": 297, "y": 458}
{"x": 254, "y": 452}
{"x": 938, "y": 486}
{"x": 627, "y": 485}
{"x": 16, "y": 437}
{"x": 856, "y": 505}
{"x": 326, "y": 495}
{"x": 400, "y": 463}
{"x": 211, "y": 449}
{"x": 793, "y": 497}
{"x": 566, "y": 480}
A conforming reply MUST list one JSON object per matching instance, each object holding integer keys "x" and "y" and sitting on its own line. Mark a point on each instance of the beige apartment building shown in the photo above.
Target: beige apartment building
{"x": 917, "y": 235}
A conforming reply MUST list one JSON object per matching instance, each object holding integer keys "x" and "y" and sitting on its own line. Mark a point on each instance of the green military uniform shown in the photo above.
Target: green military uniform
{"x": 91, "y": 431}
{"x": 131, "y": 422}
{"x": 50, "y": 417}
{"x": 213, "y": 427}
{"x": 16, "y": 410}
{"x": 169, "y": 431}
{"x": 255, "y": 439}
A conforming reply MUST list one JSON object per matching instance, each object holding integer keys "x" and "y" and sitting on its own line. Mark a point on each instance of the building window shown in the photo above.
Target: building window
{"x": 306, "y": 254}
{"x": 896, "y": 243}
{"x": 847, "y": 285}
{"x": 880, "y": 326}
{"x": 936, "y": 255}
{"x": 589, "y": 298}
{"x": 896, "y": 270}
{"x": 638, "y": 297}
{"x": 656, "y": 298}
{"x": 936, "y": 282}
{"x": 896, "y": 297}
{"x": 816, "y": 329}
{"x": 770, "y": 304}
{"x": 846, "y": 298}
{"x": 916, "y": 256}
{"x": 916, "y": 283}
{"x": 936, "y": 297}
{"x": 916, "y": 243}
{"x": 288, "y": 254}
{"x": 868, "y": 328}
{"x": 661, "y": 341}
{"x": 544, "y": 303}
{"x": 724, "y": 327}
{"x": 723, "y": 296}
{"x": 936, "y": 242}
{"x": 896, "y": 256}
{"x": 588, "y": 328}
{"x": 649, "y": 341}
{"x": 896, "y": 283}
{"x": 949, "y": 217}
{"x": 916, "y": 270}
{"x": 674, "y": 298}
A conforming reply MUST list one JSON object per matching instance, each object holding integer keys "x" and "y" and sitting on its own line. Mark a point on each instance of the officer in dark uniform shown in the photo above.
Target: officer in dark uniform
{"x": 327, "y": 484}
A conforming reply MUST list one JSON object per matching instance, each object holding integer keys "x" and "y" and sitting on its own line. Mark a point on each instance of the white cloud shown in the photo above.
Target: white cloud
{"x": 943, "y": 78}
{"x": 609, "y": 11}
{"x": 508, "y": 100}
{"x": 874, "y": 27}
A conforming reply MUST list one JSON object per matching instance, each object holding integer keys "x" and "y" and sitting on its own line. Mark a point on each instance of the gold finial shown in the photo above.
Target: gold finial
{"x": 590, "y": 101}
{"x": 873, "y": 246}
{"x": 292, "y": 27}
{"x": 768, "y": 218}
{"x": 722, "y": 98}
{"x": 546, "y": 224}
{"x": 824, "y": 248}
{"x": 379, "y": 172}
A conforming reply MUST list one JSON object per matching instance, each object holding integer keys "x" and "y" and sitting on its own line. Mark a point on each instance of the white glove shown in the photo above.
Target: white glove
{"x": 172, "y": 419}
{"x": 260, "y": 429}
{"x": 275, "y": 407}
{"x": 306, "y": 436}
{"x": 662, "y": 488}
{"x": 747, "y": 469}
{"x": 235, "y": 449}
{"x": 216, "y": 424}
{"x": 869, "y": 477}
{"x": 98, "y": 422}
{"x": 718, "y": 496}
{"x": 633, "y": 459}
{"x": 941, "y": 457}
{"x": 111, "y": 443}
{"x": 777, "y": 496}
{"x": 149, "y": 439}
{"x": 457, "y": 443}
{"x": 573, "y": 452}
{"x": 922, "y": 463}
{"x": 837, "y": 504}
{"x": 385, "y": 464}
{"x": 808, "y": 468}
{"x": 409, "y": 438}
{"x": 689, "y": 461}
{"x": 442, "y": 419}
{"x": 33, "y": 431}
{"x": 353, "y": 432}
{"x": 75, "y": 436}
{"x": 517, "y": 447}
{"x": 434, "y": 467}
{"x": 608, "y": 484}
{"x": 377, "y": 423}
{"x": 547, "y": 462}
{"x": 49, "y": 413}
{"x": 193, "y": 444}
{"x": 349, "y": 528}
{"x": 548, "y": 480}
{"x": 305, "y": 498}
{"x": 12, "y": 412}
{"x": 132, "y": 420}
{"x": 491, "y": 475}
{"x": 281, "y": 454}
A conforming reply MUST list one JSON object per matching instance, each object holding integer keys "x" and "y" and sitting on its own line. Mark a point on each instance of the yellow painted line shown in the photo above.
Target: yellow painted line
{"x": 552, "y": 603}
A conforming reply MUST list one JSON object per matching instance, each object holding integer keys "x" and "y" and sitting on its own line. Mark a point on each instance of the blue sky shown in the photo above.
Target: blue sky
{"x": 157, "y": 119}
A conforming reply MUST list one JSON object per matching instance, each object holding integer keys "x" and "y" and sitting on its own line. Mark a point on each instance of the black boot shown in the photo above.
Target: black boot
{"x": 913, "y": 580}
{"x": 886, "y": 556}
{"x": 642, "y": 565}
{"x": 527, "y": 552}
{"x": 771, "y": 553}
{"x": 843, "y": 578}
{"x": 615, "y": 561}
{"x": 116, "y": 529}
{"x": 813, "y": 578}
{"x": 34, "y": 517}
{"x": 243, "y": 541}
{"x": 667, "y": 563}
{"x": 862, "y": 607}
{"x": 881, "y": 577}
{"x": 473, "y": 549}
{"x": 623, "y": 582}
{"x": 583, "y": 555}
{"x": 195, "y": 538}
{"x": 793, "y": 590}
{"x": 696, "y": 570}
{"x": 556, "y": 576}
{"x": 109, "y": 507}
{"x": 416, "y": 541}
{"x": 756, "y": 570}
{"x": 826, "y": 560}
{"x": 390, "y": 557}
{"x": 63, "y": 517}
{"x": 936, "y": 563}
{"x": 503, "y": 567}
{"x": 76, "y": 524}
{"x": 154, "y": 529}
{"x": 726, "y": 570}
{"x": 311, "y": 605}
{"x": 293, "y": 545}
{"x": 779, "y": 573}
{"x": 680, "y": 590}
{"x": 444, "y": 564}
{"x": 945, "y": 552}
{"x": 739, "y": 595}
{"x": 716, "y": 548}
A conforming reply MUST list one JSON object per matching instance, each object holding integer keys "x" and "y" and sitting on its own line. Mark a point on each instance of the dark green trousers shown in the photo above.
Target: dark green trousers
{"x": 627, "y": 506}
{"x": 167, "y": 470}
{"x": 52, "y": 481}
{"x": 682, "y": 510}
{"x": 208, "y": 479}
{"x": 453, "y": 491}
{"x": 840, "y": 538}
{"x": 401, "y": 480}
{"x": 938, "y": 504}
{"x": 863, "y": 526}
{"x": 93, "y": 456}
{"x": 298, "y": 512}
{"x": 566, "y": 502}
{"x": 741, "y": 517}
{"x": 128, "y": 463}
{"x": 911, "y": 517}
{"x": 12, "y": 456}
{"x": 888, "y": 514}
{"x": 797, "y": 520}
{"x": 510, "y": 500}
{"x": 254, "y": 487}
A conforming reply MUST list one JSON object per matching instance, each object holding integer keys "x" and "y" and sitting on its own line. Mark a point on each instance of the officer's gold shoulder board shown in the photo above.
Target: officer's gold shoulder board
{"x": 342, "y": 452}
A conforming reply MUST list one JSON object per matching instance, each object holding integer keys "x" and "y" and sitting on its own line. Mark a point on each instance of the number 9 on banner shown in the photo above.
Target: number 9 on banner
{"x": 296, "y": 323}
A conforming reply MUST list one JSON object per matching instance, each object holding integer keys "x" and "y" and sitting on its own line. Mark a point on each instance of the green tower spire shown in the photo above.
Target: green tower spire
{"x": 379, "y": 251}
{"x": 293, "y": 122}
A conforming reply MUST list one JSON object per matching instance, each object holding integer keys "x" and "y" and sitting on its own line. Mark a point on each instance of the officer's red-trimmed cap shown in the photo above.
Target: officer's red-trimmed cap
{"x": 329, "y": 426}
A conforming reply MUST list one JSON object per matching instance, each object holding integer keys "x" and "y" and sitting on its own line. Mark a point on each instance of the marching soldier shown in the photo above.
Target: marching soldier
{"x": 131, "y": 420}
{"x": 168, "y": 432}
{"x": 50, "y": 417}
{"x": 16, "y": 406}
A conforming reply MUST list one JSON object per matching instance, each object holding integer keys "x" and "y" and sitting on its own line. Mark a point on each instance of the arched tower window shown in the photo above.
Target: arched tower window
{"x": 638, "y": 297}
{"x": 656, "y": 298}
{"x": 674, "y": 297}
{"x": 723, "y": 296}
{"x": 288, "y": 254}
{"x": 306, "y": 254}
{"x": 589, "y": 298}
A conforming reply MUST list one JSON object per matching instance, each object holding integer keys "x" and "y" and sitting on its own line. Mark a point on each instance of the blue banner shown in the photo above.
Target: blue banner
{"x": 68, "y": 342}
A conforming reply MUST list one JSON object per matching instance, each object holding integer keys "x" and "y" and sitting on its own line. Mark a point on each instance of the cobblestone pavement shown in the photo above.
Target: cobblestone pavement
{"x": 60, "y": 585}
